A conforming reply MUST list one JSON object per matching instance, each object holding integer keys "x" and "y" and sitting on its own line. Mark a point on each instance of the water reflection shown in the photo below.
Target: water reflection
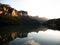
{"x": 40, "y": 38}
{"x": 17, "y": 36}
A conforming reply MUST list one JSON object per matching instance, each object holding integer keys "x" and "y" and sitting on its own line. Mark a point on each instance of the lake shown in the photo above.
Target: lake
{"x": 40, "y": 36}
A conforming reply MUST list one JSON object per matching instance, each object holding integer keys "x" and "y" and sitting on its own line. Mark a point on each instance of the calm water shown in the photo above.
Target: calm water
{"x": 40, "y": 36}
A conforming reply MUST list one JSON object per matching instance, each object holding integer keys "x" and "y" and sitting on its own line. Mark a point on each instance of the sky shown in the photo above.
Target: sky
{"x": 42, "y": 8}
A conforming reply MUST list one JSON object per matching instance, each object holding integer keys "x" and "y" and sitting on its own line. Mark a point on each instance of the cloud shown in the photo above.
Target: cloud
{"x": 31, "y": 42}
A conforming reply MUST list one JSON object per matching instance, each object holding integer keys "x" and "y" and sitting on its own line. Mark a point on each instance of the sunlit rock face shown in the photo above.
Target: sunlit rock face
{"x": 14, "y": 12}
{"x": 7, "y": 10}
{"x": 1, "y": 12}
{"x": 22, "y": 13}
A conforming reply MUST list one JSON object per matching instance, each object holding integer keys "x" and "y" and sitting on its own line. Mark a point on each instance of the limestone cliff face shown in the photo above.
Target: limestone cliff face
{"x": 7, "y": 10}
{"x": 22, "y": 13}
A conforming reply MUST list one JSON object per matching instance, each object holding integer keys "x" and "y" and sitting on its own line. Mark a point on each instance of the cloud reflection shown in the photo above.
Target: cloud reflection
{"x": 31, "y": 42}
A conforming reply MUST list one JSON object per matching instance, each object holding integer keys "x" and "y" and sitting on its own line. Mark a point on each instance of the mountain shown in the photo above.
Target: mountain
{"x": 10, "y": 16}
{"x": 7, "y": 10}
{"x": 53, "y": 24}
{"x": 22, "y": 13}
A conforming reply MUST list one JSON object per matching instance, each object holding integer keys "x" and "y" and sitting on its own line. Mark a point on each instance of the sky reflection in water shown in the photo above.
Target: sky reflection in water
{"x": 49, "y": 37}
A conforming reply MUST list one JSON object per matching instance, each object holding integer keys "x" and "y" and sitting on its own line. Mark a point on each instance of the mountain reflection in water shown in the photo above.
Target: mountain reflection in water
{"x": 13, "y": 35}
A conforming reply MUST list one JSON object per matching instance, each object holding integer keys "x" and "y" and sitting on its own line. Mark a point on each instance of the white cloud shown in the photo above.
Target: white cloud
{"x": 31, "y": 42}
